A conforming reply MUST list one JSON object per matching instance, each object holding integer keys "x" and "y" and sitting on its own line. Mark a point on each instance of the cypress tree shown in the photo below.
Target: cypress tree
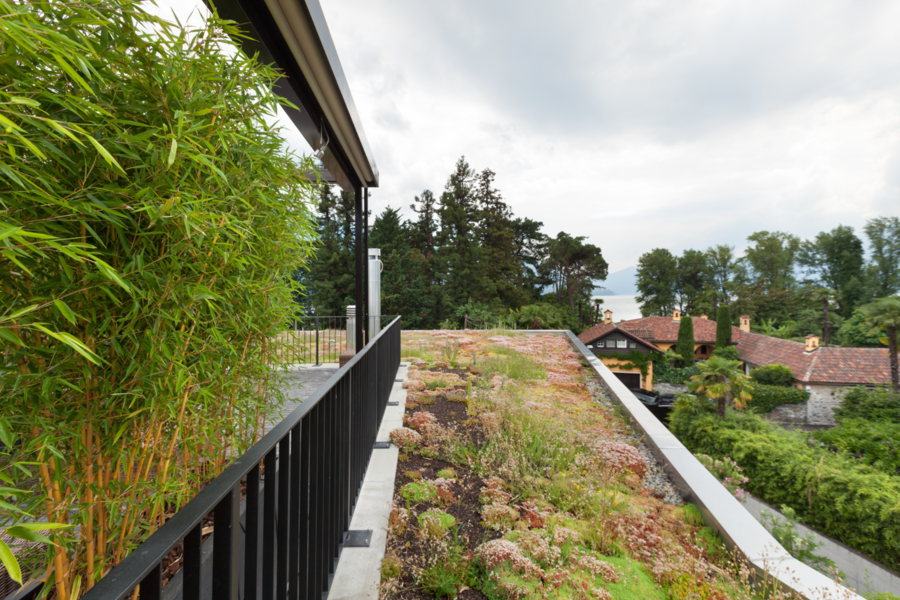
{"x": 723, "y": 327}
{"x": 685, "y": 344}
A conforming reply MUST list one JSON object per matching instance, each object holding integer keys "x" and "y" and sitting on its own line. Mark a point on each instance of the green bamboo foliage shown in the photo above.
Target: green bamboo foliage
{"x": 150, "y": 222}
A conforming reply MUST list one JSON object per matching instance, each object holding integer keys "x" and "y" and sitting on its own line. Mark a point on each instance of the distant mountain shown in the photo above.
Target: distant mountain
{"x": 620, "y": 283}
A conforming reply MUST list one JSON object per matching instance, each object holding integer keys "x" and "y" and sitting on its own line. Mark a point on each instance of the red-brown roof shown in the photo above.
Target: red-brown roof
{"x": 659, "y": 329}
{"x": 825, "y": 365}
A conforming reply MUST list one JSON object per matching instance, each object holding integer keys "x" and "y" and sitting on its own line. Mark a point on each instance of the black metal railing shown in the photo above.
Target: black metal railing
{"x": 297, "y": 510}
{"x": 320, "y": 339}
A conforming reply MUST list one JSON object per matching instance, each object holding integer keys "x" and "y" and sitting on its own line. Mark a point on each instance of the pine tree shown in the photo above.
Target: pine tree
{"x": 458, "y": 256}
{"x": 500, "y": 280}
{"x": 723, "y": 327}
{"x": 685, "y": 344}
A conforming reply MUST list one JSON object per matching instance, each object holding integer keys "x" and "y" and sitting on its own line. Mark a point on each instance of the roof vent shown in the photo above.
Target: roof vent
{"x": 812, "y": 342}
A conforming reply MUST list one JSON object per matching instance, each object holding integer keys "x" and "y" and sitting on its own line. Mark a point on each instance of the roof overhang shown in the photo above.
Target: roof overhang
{"x": 293, "y": 36}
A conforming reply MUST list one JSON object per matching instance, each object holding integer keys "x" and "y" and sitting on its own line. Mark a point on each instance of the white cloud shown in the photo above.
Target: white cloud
{"x": 637, "y": 124}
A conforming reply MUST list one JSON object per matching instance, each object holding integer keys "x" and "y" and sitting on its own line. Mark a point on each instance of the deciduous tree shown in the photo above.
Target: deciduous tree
{"x": 657, "y": 279}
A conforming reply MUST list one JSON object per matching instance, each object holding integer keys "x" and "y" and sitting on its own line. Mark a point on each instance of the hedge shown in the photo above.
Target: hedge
{"x": 830, "y": 492}
{"x": 773, "y": 375}
{"x": 767, "y": 397}
{"x": 664, "y": 373}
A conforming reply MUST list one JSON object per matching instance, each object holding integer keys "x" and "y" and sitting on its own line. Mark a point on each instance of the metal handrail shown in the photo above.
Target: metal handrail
{"x": 316, "y": 457}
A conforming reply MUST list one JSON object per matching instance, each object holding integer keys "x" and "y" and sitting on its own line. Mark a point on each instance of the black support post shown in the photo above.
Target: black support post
{"x": 360, "y": 257}
{"x": 366, "y": 259}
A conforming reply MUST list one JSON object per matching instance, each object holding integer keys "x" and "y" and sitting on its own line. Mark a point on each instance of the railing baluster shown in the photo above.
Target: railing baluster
{"x": 269, "y": 517}
{"x": 193, "y": 563}
{"x": 151, "y": 585}
{"x": 313, "y": 581}
{"x": 251, "y": 537}
{"x": 226, "y": 545}
{"x": 284, "y": 513}
{"x": 294, "y": 525}
{"x": 304, "y": 487}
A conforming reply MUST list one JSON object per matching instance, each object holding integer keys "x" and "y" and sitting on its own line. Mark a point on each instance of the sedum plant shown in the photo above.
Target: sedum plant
{"x": 150, "y": 221}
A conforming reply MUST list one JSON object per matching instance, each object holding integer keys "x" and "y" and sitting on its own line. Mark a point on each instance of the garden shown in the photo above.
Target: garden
{"x": 519, "y": 478}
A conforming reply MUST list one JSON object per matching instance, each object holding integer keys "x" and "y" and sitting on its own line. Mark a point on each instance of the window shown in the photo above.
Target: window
{"x": 610, "y": 343}
{"x": 632, "y": 345}
{"x": 621, "y": 343}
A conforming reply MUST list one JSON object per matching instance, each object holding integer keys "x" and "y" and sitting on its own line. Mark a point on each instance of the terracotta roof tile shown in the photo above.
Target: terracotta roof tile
{"x": 824, "y": 365}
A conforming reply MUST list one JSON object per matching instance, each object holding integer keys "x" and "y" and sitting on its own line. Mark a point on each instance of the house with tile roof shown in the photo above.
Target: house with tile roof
{"x": 825, "y": 372}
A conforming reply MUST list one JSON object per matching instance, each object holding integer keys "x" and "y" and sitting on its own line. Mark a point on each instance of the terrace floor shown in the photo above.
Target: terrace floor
{"x": 303, "y": 381}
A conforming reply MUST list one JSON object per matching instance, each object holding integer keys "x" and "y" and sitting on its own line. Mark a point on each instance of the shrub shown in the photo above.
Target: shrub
{"x": 833, "y": 493}
{"x": 727, "y": 352}
{"x": 881, "y": 404}
{"x": 663, "y": 373}
{"x": 727, "y": 472}
{"x": 876, "y": 444}
{"x": 773, "y": 375}
{"x": 767, "y": 397}
{"x": 152, "y": 224}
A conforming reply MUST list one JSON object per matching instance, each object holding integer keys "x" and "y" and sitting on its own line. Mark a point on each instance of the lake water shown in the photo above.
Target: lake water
{"x": 623, "y": 307}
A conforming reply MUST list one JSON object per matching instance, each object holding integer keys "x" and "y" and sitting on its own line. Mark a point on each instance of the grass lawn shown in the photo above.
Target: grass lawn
{"x": 514, "y": 482}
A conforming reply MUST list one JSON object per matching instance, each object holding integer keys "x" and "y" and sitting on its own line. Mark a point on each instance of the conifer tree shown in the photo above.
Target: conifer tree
{"x": 685, "y": 345}
{"x": 501, "y": 274}
{"x": 331, "y": 280}
{"x": 458, "y": 254}
{"x": 723, "y": 327}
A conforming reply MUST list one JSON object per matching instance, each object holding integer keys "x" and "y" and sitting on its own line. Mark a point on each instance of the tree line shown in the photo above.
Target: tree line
{"x": 463, "y": 254}
{"x": 790, "y": 287}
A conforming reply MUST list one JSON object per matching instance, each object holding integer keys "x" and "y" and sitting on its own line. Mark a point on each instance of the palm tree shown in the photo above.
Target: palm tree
{"x": 885, "y": 313}
{"x": 722, "y": 380}
{"x": 825, "y": 296}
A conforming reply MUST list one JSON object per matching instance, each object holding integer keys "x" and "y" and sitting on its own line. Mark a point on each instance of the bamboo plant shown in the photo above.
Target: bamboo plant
{"x": 150, "y": 223}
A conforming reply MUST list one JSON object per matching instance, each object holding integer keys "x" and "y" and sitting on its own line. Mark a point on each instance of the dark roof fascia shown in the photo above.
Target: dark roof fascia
{"x": 265, "y": 40}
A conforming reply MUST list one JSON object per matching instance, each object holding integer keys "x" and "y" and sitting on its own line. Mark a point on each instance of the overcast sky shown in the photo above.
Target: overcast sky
{"x": 637, "y": 124}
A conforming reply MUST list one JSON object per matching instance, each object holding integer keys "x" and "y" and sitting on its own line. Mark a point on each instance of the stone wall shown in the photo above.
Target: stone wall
{"x": 823, "y": 399}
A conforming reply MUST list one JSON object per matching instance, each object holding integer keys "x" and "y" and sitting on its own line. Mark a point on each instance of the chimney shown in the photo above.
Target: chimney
{"x": 812, "y": 342}
{"x": 745, "y": 323}
{"x": 607, "y": 316}
{"x": 676, "y": 315}
{"x": 704, "y": 317}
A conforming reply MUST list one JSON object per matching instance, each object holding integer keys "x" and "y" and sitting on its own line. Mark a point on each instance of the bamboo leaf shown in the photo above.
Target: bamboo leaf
{"x": 19, "y": 313}
{"x": 23, "y": 533}
{"x": 65, "y": 311}
{"x": 10, "y": 336}
{"x": 26, "y": 101}
{"x": 6, "y": 435}
{"x": 106, "y": 155}
{"x": 111, "y": 274}
{"x": 172, "y": 150}
{"x": 44, "y": 526}
{"x": 10, "y": 562}
{"x": 71, "y": 341}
